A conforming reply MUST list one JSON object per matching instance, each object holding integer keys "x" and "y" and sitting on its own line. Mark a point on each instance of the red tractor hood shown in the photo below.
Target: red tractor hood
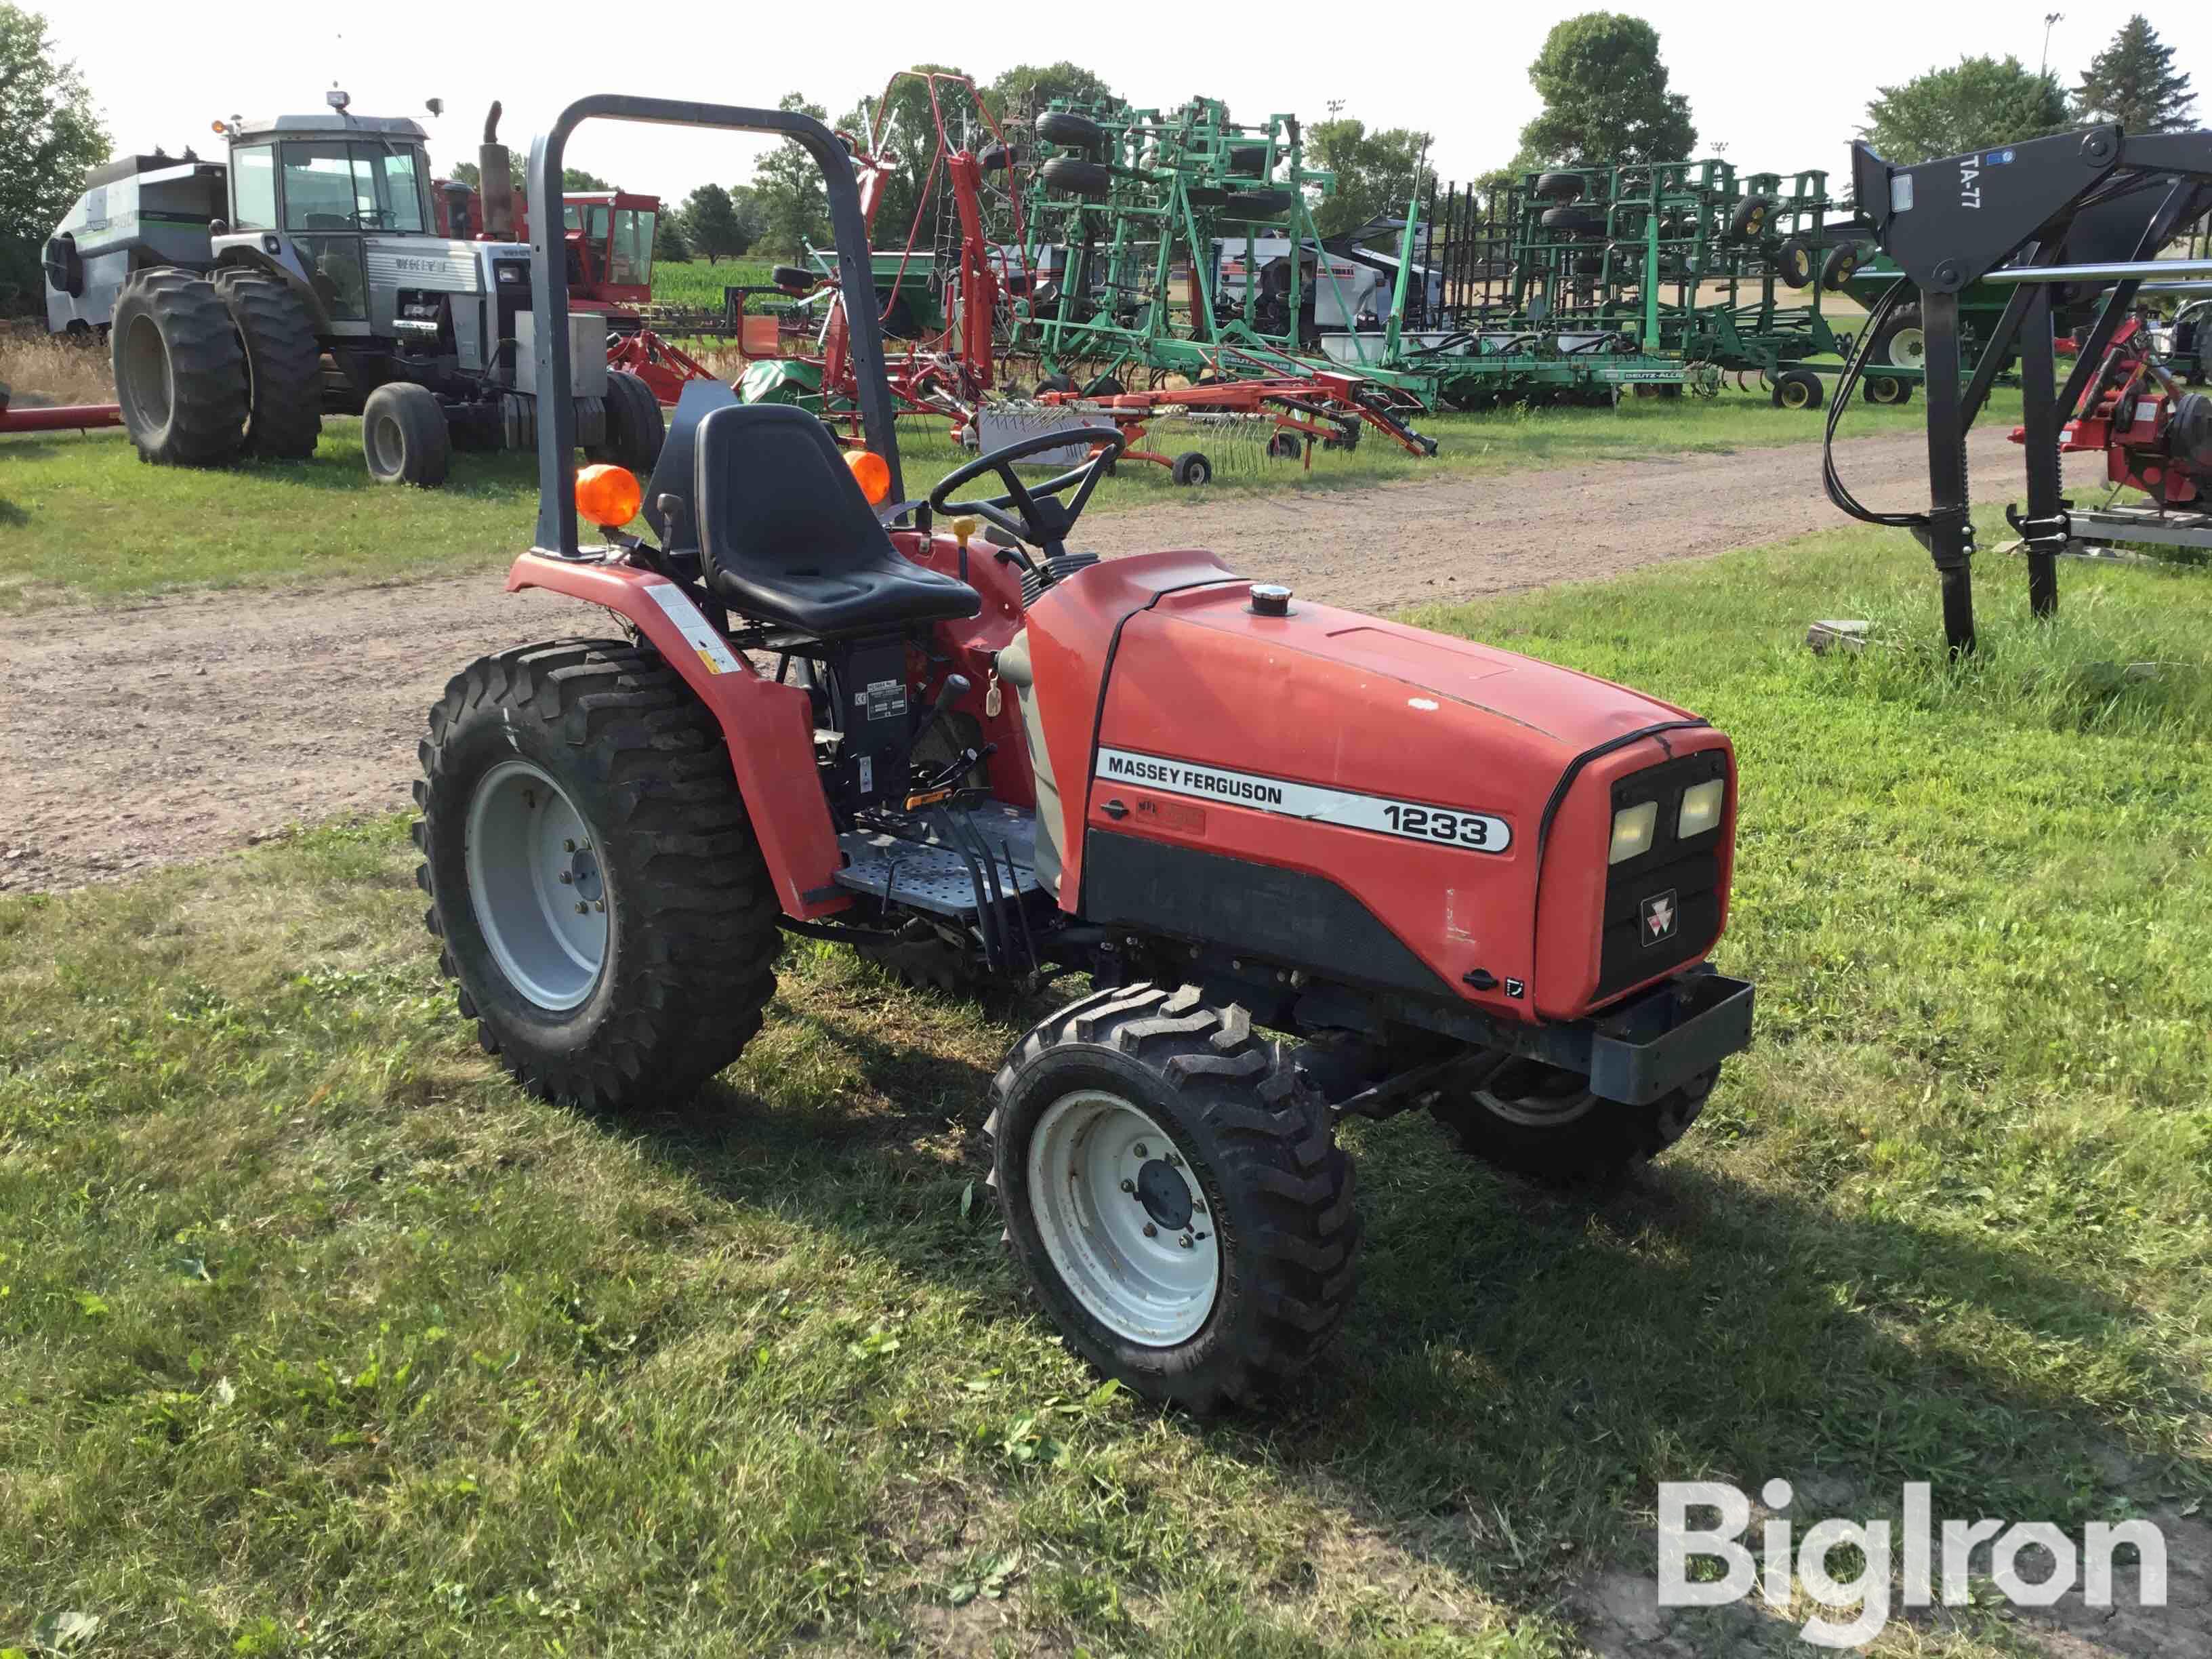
{"x": 1453, "y": 789}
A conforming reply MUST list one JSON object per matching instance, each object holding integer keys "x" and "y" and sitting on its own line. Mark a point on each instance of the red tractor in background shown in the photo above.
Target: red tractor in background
{"x": 1313, "y": 864}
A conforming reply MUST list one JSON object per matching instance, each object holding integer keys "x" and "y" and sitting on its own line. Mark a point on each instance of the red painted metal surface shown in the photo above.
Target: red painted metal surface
{"x": 69, "y": 417}
{"x": 769, "y": 728}
{"x": 1342, "y": 701}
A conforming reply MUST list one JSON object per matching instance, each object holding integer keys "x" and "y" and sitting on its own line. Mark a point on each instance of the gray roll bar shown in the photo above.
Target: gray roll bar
{"x": 549, "y": 285}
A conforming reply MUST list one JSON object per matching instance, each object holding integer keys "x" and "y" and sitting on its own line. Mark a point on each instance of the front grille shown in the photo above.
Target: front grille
{"x": 1689, "y": 871}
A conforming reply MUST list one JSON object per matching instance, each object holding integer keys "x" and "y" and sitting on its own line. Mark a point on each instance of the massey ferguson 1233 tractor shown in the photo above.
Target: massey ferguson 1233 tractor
{"x": 1313, "y": 863}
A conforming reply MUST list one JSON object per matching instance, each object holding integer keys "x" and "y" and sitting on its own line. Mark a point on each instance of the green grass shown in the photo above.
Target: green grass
{"x": 87, "y": 521}
{"x": 695, "y": 282}
{"x": 316, "y": 1337}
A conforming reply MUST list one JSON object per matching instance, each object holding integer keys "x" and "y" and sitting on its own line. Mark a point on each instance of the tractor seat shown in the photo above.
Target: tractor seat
{"x": 787, "y": 537}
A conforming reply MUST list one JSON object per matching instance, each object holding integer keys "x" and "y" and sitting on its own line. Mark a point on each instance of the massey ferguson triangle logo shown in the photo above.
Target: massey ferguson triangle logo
{"x": 1660, "y": 915}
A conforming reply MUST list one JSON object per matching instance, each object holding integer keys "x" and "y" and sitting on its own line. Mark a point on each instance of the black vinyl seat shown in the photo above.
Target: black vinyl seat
{"x": 787, "y": 537}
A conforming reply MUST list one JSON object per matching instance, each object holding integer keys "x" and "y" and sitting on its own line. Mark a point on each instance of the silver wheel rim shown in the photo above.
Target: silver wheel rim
{"x": 151, "y": 391}
{"x": 1154, "y": 1289}
{"x": 1908, "y": 348}
{"x": 388, "y": 448}
{"x": 531, "y": 864}
{"x": 1542, "y": 1107}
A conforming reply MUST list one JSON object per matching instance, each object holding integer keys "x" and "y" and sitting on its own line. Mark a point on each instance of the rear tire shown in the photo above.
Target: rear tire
{"x": 1535, "y": 1120}
{"x": 1245, "y": 1152}
{"x": 1192, "y": 469}
{"x": 403, "y": 435}
{"x": 1799, "y": 388}
{"x": 636, "y": 426}
{"x": 687, "y": 942}
{"x": 179, "y": 370}
{"x": 283, "y": 365}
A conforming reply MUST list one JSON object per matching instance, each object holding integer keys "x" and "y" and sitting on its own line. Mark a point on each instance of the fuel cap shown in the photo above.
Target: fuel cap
{"x": 1270, "y": 599}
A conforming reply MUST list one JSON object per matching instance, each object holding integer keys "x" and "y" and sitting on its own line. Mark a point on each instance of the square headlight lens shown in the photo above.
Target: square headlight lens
{"x": 1632, "y": 829}
{"x": 1701, "y": 807}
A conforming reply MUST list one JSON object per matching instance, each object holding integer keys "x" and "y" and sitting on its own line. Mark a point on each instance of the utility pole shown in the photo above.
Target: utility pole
{"x": 2051, "y": 19}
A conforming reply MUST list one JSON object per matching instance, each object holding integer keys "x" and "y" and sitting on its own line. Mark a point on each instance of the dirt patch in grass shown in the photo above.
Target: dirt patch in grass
{"x": 190, "y": 727}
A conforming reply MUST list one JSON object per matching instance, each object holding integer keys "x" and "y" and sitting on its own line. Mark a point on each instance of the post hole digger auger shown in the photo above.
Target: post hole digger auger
{"x": 1313, "y": 863}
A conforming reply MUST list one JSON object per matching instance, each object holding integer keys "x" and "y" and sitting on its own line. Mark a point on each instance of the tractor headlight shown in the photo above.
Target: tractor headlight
{"x": 1701, "y": 808}
{"x": 1632, "y": 829}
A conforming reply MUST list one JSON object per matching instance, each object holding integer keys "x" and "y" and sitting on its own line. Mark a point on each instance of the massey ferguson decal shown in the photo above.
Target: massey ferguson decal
{"x": 1477, "y": 832}
{"x": 1661, "y": 916}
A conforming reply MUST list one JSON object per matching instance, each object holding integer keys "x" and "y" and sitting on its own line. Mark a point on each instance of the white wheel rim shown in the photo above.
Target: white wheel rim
{"x": 1155, "y": 1290}
{"x": 532, "y": 862}
{"x": 1908, "y": 348}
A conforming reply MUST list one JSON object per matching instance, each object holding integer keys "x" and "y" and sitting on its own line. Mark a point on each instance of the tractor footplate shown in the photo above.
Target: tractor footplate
{"x": 938, "y": 859}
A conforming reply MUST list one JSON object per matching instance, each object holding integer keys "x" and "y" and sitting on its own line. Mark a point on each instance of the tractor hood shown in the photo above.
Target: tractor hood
{"x": 1411, "y": 800}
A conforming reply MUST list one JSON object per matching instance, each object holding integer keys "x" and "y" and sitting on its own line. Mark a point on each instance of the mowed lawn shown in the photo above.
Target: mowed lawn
{"x": 81, "y": 519}
{"x": 316, "y": 1337}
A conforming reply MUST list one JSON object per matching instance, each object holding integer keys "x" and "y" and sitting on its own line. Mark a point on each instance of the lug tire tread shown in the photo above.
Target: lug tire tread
{"x": 699, "y": 910}
{"x": 1270, "y": 1134}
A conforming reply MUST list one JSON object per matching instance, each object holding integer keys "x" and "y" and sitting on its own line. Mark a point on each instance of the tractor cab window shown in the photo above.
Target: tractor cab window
{"x": 631, "y": 260}
{"x": 253, "y": 187}
{"x": 347, "y": 186}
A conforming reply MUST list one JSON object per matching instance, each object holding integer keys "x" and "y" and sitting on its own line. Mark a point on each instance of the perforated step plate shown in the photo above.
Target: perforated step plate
{"x": 932, "y": 875}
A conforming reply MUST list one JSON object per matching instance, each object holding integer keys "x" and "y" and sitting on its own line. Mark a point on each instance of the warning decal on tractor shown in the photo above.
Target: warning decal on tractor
{"x": 703, "y": 639}
{"x": 1478, "y": 832}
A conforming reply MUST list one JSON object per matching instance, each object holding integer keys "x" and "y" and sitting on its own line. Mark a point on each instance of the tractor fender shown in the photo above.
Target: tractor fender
{"x": 769, "y": 728}
{"x": 264, "y": 250}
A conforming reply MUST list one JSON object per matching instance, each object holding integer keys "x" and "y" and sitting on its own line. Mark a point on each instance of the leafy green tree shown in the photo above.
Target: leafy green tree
{"x": 1034, "y": 86}
{"x": 713, "y": 227}
{"x": 1976, "y": 103}
{"x": 1377, "y": 173}
{"x": 52, "y": 139}
{"x": 794, "y": 210}
{"x": 903, "y": 123}
{"x": 2133, "y": 81}
{"x": 1605, "y": 97}
{"x": 670, "y": 243}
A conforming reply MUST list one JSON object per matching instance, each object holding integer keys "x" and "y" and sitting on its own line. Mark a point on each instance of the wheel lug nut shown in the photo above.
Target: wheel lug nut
{"x": 1151, "y": 1231}
{"x": 1185, "y": 1241}
{"x": 599, "y": 904}
{"x": 567, "y": 846}
{"x": 582, "y": 908}
{"x": 568, "y": 877}
{"x": 1139, "y": 1150}
{"x": 1130, "y": 1186}
{"x": 1174, "y": 1160}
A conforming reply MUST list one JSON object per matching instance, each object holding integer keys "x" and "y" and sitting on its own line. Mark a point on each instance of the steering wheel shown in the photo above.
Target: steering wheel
{"x": 1040, "y": 517}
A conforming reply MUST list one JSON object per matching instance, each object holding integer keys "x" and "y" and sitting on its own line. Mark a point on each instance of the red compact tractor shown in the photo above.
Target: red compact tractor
{"x": 1312, "y": 862}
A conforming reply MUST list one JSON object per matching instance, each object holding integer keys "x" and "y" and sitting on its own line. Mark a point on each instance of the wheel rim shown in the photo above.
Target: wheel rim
{"x": 1153, "y": 1290}
{"x": 1908, "y": 348}
{"x": 387, "y": 446}
{"x": 532, "y": 862}
{"x": 151, "y": 390}
{"x": 1794, "y": 394}
{"x": 1539, "y": 1098}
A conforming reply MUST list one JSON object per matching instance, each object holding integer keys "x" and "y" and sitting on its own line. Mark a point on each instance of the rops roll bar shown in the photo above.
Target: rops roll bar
{"x": 548, "y": 284}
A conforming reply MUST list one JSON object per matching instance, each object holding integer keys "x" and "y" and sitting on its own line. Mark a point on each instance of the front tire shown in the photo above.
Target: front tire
{"x": 403, "y": 435}
{"x": 586, "y": 772}
{"x": 636, "y": 426}
{"x": 1537, "y": 1120}
{"x": 1140, "y": 1118}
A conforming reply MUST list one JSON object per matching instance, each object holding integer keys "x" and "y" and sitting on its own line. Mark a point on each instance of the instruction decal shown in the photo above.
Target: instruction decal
{"x": 1441, "y": 826}
{"x": 714, "y": 651}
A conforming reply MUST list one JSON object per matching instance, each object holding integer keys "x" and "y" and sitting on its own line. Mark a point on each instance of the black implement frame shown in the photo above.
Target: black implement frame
{"x": 549, "y": 285}
{"x": 1950, "y": 222}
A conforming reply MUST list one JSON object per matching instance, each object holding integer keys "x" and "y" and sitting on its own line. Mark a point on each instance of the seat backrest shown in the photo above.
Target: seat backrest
{"x": 774, "y": 496}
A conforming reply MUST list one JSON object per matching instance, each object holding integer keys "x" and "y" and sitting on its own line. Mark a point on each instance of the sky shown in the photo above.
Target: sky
{"x": 1764, "y": 95}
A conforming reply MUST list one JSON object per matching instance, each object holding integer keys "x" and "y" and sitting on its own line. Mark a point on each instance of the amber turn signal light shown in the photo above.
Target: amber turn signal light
{"x": 871, "y": 473}
{"x": 609, "y": 496}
